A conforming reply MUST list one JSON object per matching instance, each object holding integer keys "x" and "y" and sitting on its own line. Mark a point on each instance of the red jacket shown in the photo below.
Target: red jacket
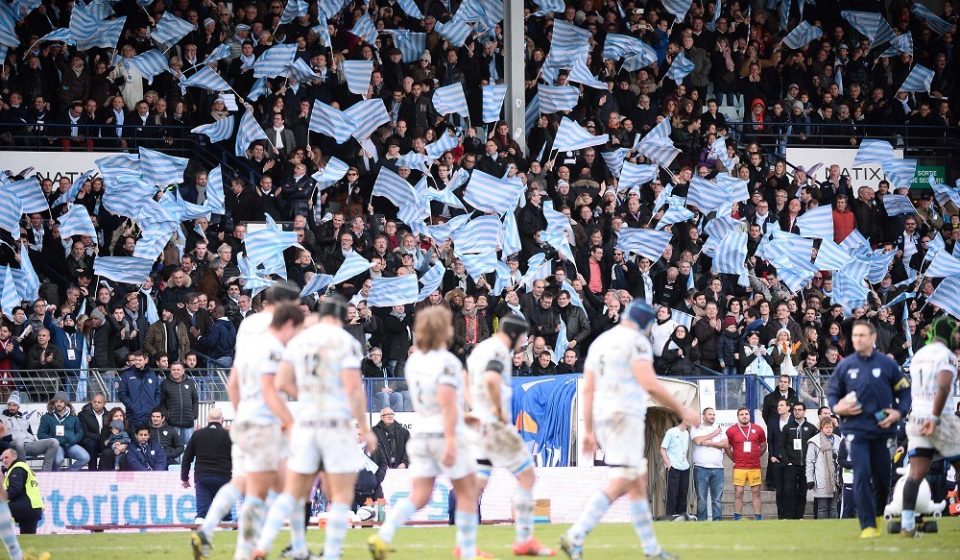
{"x": 843, "y": 224}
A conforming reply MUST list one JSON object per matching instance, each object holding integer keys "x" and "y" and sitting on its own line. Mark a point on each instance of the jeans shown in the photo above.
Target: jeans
{"x": 826, "y": 508}
{"x": 77, "y": 453}
{"x": 46, "y": 447}
{"x": 678, "y": 485}
{"x": 708, "y": 481}
{"x": 399, "y": 401}
{"x": 185, "y": 434}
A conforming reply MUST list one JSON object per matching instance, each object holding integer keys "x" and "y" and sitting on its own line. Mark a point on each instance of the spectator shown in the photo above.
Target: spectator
{"x": 167, "y": 335}
{"x": 23, "y": 491}
{"x": 392, "y": 439}
{"x": 145, "y": 454}
{"x": 673, "y": 452}
{"x": 823, "y": 471}
{"x": 45, "y": 357}
{"x": 166, "y": 437}
{"x": 368, "y": 488}
{"x": 93, "y": 419}
{"x": 180, "y": 398}
{"x": 18, "y": 429}
{"x": 570, "y": 362}
{"x": 220, "y": 340}
{"x": 209, "y": 448}
{"x": 709, "y": 442}
{"x": 118, "y": 441}
{"x": 770, "y": 405}
{"x": 676, "y": 353}
{"x": 139, "y": 390}
{"x": 61, "y": 424}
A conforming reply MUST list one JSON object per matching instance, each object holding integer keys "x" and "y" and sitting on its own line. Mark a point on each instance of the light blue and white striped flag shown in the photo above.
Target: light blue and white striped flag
{"x": 571, "y": 136}
{"x": 947, "y": 296}
{"x": 731, "y": 253}
{"x": 900, "y": 172}
{"x": 897, "y": 204}
{"x": 8, "y": 24}
{"x": 331, "y": 121}
{"x": 77, "y": 222}
{"x": 61, "y": 35}
{"x": 220, "y": 52}
{"x": 105, "y": 35}
{"x": 511, "y": 235}
{"x": 127, "y": 270}
{"x": 568, "y": 37}
{"x": 938, "y": 25}
{"x": 353, "y": 265}
{"x": 456, "y": 32}
{"x": 481, "y": 234}
{"x": 871, "y": 25}
{"x": 410, "y": 8}
{"x": 643, "y": 57}
{"x": 258, "y": 89}
{"x": 332, "y": 172}
{"x": 903, "y": 44}
{"x": 9, "y": 297}
{"x": 394, "y": 188}
{"x": 151, "y": 63}
{"x": 170, "y": 29}
{"x": 329, "y": 8}
{"x": 215, "y": 196}
{"x": 29, "y": 193}
{"x": 28, "y": 283}
{"x": 249, "y": 132}
{"x": 678, "y": 8}
{"x": 293, "y": 10}
{"x": 554, "y": 99}
{"x": 647, "y": 242}
{"x": 74, "y": 190}
{"x": 617, "y": 46}
{"x": 442, "y": 232}
{"x": 680, "y": 68}
{"x": 365, "y": 29}
{"x": 879, "y": 266}
{"x": 615, "y": 160}
{"x": 561, "y": 345}
{"x": 847, "y": 291}
{"x": 478, "y": 264}
{"x": 944, "y": 264}
{"x": 919, "y": 80}
{"x": 532, "y": 113}
{"x": 491, "y": 194}
{"x": 274, "y": 61}
{"x": 451, "y": 99}
{"x": 831, "y": 256}
{"x": 301, "y": 71}
{"x": 412, "y": 44}
{"x": 802, "y": 35}
{"x": 674, "y": 214}
{"x": 264, "y": 243}
{"x": 549, "y": 7}
{"x": 658, "y": 149}
{"x": 126, "y": 199}
{"x": 873, "y": 151}
{"x": 633, "y": 175}
{"x": 817, "y": 222}
{"x": 367, "y": 116}
{"x": 84, "y": 21}
{"x": 431, "y": 280}
{"x": 683, "y": 319}
{"x": 217, "y": 131}
{"x": 10, "y": 211}
{"x": 706, "y": 195}
{"x": 444, "y": 143}
{"x": 854, "y": 241}
{"x": 161, "y": 169}
{"x": 580, "y": 73}
{"x": 943, "y": 193}
{"x": 399, "y": 290}
{"x": 358, "y": 74}
{"x": 316, "y": 283}
{"x": 719, "y": 148}
{"x": 493, "y": 95}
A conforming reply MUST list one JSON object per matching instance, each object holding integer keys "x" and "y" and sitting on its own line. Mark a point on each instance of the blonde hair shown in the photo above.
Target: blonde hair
{"x": 431, "y": 330}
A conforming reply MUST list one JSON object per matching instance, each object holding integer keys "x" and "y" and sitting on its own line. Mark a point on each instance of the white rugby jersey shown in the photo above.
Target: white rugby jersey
{"x": 925, "y": 367}
{"x": 490, "y": 355}
{"x": 610, "y": 358}
{"x": 425, "y": 373}
{"x": 253, "y": 361}
{"x": 253, "y": 327}
{"x": 318, "y": 356}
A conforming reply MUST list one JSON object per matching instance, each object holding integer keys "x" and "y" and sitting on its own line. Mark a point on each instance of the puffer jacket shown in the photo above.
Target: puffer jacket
{"x": 181, "y": 401}
{"x": 18, "y": 427}
{"x": 72, "y": 431}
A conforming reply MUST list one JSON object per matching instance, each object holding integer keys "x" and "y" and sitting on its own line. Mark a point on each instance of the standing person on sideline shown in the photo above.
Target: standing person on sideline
{"x": 795, "y": 436}
{"x": 775, "y": 457}
{"x": 871, "y": 394}
{"x": 181, "y": 399}
{"x": 619, "y": 379}
{"x": 709, "y": 441}
{"x": 933, "y": 427}
{"x": 321, "y": 369}
{"x": 252, "y": 331}
{"x": 823, "y": 471}
{"x": 490, "y": 369}
{"x": 746, "y": 444}
{"x": 139, "y": 389}
{"x": 20, "y": 484}
{"x": 673, "y": 451}
{"x": 210, "y": 447}
{"x": 439, "y": 442}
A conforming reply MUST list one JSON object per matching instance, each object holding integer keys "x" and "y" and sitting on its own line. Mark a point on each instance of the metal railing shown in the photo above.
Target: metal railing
{"x": 173, "y": 139}
{"x": 39, "y": 386}
{"x": 913, "y": 139}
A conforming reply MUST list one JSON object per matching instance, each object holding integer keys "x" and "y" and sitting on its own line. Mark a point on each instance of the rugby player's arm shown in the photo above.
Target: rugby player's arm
{"x": 447, "y": 399}
{"x": 589, "y": 390}
{"x": 491, "y": 382}
{"x": 268, "y": 385}
{"x": 233, "y": 389}
{"x": 356, "y": 397}
{"x": 643, "y": 373}
{"x": 944, "y": 383}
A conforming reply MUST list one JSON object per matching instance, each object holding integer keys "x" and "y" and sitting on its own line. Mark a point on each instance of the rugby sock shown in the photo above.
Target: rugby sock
{"x": 643, "y": 525}
{"x": 251, "y": 520}
{"x": 396, "y": 517}
{"x": 8, "y": 533}
{"x": 280, "y": 510}
{"x": 298, "y": 528}
{"x": 592, "y": 514}
{"x": 523, "y": 510}
{"x": 223, "y": 502}
{"x": 466, "y": 533}
{"x": 337, "y": 521}
{"x": 908, "y": 518}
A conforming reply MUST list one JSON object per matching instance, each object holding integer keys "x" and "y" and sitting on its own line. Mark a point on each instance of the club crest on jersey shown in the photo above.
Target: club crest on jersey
{"x": 276, "y": 356}
{"x": 876, "y": 372}
{"x": 853, "y": 373}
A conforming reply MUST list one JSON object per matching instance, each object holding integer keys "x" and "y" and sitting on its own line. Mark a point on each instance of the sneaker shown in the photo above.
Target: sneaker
{"x": 757, "y": 517}
{"x": 869, "y": 533}
{"x": 201, "y": 545}
{"x": 480, "y": 554}
{"x": 379, "y": 549}
{"x": 573, "y": 550}
{"x": 662, "y": 555}
{"x": 287, "y": 553}
{"x": 31, "y": 555}
{"x": 910, "y": 533}
{"x": 532, "y": 548}
{"x": 736, "y": 517}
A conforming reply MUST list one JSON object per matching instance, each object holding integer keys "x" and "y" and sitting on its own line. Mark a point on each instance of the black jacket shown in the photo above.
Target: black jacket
{"x": 392, "y": 440}
{"x": 91, "y": 426}
{"x": 769, "y": 409}
{"x": 17, "y": 492}
{"x": 181, "y": 401}
{"x": 788, "y": 449}
{"x": 170, "y": 442}
{"x": 210, "y": 447}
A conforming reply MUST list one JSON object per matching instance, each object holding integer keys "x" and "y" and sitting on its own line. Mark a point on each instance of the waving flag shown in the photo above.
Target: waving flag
{"x": 493, "y": 96}
{"x": 431, "y": 281}
{"x": 903, "y": 44}
{"x": 617, "y": 46}
{"x": 943, "y": 193}
{"x": 61, "y": 35}
{"x": 571, "y": 136}
{"x": 293, "y": 10}
{"x": 9, "y": 298}
{"x": 358, "y": 74}
{"x": 249, "y": 132}
{"x": 451, "y": 99}
{"x": 106, "y": 35}
{"x": 261, "y": 245}
{"x": 680, "y": 68}
{"x": 126, "y": 199}
{"x": 399, "y": 290}
{"x": 879, "y": 266}
{"x": 394, "y": 188}
{"x": 802, "y": 35}
{"x": 367, "y": 116}
{"x": 549, "y": 7}
{"x": 215, "y": 196}
{"x": 353, "y": 265}
{"x": 365, "y": 29}
{"x": 847, "y": 291}
{"x": 411, "y": 44}
{"x": 817, "y": 222}
{"x": 274, "y": 61}
{"x": 634, "y": 175}
{"x": 615, "y": 160}
{"x": 217, "y": 131}
{"x": 331, "y": 121}
{"x": 678, "y": 8}
{"x": 947, "y": 296}
{"x": 647, "y": 242}
{"x": 29, "y": 193}
{"x": 332, "y": 172}
{"x": 170, "y": 29}
{"x": 479, "y": 235}
{"x": 329, "y": 8}
{"x": 127, "y": 270}
{"x": 919, "y": 80}
{"x": 220, "y": 52}
{"x": 491, "y": 194}
{"x": 897, "y": 204}
{"x": 873, "y": 151}
{"x": 160, "y": 169}
{"x": 854, "y": 241}
{"x": 554, "y": 99}
{"x": 151, "y": 63}
{"x": 28, "y": 283}
{"x": 936, "y": 24}
{"x": 709, "y": 196}
{"x": 871, "y": 25}
{"x": 77, "y": 222}
{"x": 943, "y": 265}
{"x": 581, "y": 74}
{"x": 8, "y": 24}
{"x": 10, "y": 211}
{"x": 674, "y": 214}
{"x": 300, "y": 71}
{"x": 456, "y": 32}
{"x": 731, "y": 254}
{"x": 900, "y": 172}
{"x": 830, "y": 256}
{"x": 316, "y": 283}
{"x": 258, "y": 89}
{"x": 444, "y": 143}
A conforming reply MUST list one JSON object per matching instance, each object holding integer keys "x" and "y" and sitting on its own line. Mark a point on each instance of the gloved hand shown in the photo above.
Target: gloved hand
{"x": 809, "y": 486}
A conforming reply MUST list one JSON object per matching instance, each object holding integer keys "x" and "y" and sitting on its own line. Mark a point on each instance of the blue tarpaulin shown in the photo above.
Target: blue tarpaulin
{"x": 541, "y": 412}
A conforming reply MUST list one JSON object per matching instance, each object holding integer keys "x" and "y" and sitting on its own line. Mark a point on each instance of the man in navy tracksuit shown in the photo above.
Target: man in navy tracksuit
{"x": 870, "y": 419}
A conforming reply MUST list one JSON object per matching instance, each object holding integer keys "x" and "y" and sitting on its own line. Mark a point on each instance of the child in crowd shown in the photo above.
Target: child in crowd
{"x": 118, "y": 437}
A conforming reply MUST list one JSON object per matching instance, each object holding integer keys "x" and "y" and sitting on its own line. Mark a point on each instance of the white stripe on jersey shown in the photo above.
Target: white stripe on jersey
{"x": 925, "y": 367}
{"x": 610, "y": 358}
{"x": 491, "y": 353}
{"x": 425, "y": 372}
{"x": 318, "y": 356}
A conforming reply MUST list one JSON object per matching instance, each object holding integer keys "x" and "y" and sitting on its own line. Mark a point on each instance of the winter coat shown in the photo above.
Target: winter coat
{"x": 156, "y": 340}
{"x": 393, "y": 441}
{"x": 88, "y": 421}
{"x": 139, "y": 392}
{"x": 675, "y": 361}
{"x": 727, "y": 346}
{"x": 72, "y": 432}
{"x": 578, "y": 326}
{"x": 220, "y": 340}
{"x": 149, "y": 457}
{"x": 18, "y": 427}
{"x": 707, "y": 339}
{"x": 816, "y": 468}
{"x": 181, "y": 400}
{"x": 169, "y": 440}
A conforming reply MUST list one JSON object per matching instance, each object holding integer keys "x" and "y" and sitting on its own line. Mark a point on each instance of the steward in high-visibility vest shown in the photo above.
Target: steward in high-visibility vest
{"x": 23, "y": 492}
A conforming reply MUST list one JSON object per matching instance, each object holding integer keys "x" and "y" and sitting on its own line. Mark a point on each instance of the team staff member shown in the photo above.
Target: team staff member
{"x": 210, "y": 446}
{"x": 793, "y": 442}
{"x": 26, "y": 501}
{"x": 871, "y": 394}
{"x": 747, "y": 443}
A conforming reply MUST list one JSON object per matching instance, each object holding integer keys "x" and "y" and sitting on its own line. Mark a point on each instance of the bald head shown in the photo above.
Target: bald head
{"x": 215, "y": 415}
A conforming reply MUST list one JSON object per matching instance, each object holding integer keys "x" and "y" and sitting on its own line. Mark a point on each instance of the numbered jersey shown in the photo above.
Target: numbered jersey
{"x": 318, "y": 356}
{"x": 425, "y": 373}
{"x": 252, "y": 363}
{"x": 611, "y": 358}
{"x": 925, "y": 367}
{"x": 490, "y": 355}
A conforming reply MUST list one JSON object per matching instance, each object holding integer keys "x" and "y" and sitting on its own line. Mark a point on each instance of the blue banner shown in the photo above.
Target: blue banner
{"x": 541, "y": 412}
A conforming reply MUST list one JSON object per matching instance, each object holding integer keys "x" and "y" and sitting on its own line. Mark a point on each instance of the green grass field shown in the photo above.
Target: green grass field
{"x": 773, "y": 540}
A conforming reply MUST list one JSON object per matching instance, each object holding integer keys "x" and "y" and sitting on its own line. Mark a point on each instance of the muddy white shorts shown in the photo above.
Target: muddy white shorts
{"x": 945, "y": 440}
{"x": 621, "y": 437}
{"x": 426, "y": 457}
{"x": 329, "y": 445}
{"x": 499, "y": 445}
{"x": 257, "y": 447}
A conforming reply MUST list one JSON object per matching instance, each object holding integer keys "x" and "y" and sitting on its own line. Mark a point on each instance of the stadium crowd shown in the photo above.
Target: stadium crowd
{"x": 833, "y": 90}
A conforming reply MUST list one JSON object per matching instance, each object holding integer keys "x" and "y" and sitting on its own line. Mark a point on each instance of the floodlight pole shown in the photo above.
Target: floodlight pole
{"x": 513, "y": 64}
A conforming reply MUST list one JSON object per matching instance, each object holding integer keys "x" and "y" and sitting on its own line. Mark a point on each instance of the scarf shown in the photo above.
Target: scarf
{"x": 470, "y": 326}
{"x": 829, "y": 462}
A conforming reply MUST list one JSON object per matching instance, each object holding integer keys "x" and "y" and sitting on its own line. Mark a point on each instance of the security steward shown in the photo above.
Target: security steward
{"x": 870, "y": 393}
{"x": 23, "y": 491}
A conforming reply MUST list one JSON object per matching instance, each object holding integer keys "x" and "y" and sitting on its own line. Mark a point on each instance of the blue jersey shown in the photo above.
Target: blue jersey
{"x": 879, "y": 383}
